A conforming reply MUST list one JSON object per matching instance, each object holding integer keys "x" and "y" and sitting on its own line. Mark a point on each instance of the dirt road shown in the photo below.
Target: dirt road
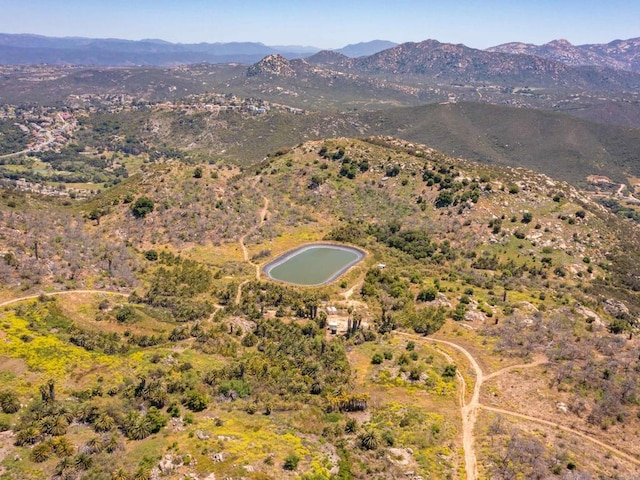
{"x": 469, "y": 410}
{"x": 65, "y": 292}
{"x": 245, "y": 251}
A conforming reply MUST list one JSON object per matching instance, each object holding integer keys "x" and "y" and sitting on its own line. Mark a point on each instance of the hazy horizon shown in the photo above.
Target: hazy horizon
{"x": 328, "y": 23}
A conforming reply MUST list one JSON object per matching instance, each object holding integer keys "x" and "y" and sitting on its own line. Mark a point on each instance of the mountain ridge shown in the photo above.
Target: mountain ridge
{"x": 618, "y": 54}
{"x": 30, "y": 48}
{"x": 34, "y": 49}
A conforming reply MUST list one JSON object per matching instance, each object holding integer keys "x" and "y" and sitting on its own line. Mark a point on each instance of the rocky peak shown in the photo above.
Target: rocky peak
{"x": 619, "y": 54}
{"x": 560, "y": 43}
{"x": 272, "y": 65}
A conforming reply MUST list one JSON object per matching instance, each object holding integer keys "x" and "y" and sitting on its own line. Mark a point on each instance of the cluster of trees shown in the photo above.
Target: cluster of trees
{"x": 257, "y": 296}
{"x": 416, "y": 243}
{"x": 118, "y": 133}
{"x": 176, "y": 286}
{"x": 293, "y": 360}
{"x": 12, "y": 139}
{"x": 57, "y": 248}
{"x": 452, "y": 192}
{"x": 615, "y": 206}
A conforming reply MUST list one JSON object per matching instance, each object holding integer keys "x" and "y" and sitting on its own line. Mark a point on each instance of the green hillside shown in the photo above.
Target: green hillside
{"x": 196, "y": 366}
{"x": 554, "y": 144}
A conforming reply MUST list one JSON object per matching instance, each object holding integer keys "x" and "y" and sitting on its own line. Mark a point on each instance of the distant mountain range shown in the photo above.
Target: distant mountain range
{"x": 27, "y": 49}
{"x": 376, "y": 55}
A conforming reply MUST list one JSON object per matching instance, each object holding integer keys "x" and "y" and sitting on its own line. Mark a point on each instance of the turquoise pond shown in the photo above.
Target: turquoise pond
{"x": 313, "y": 265}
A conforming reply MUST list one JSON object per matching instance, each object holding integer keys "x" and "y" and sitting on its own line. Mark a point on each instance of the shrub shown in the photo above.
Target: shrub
{"x": 291, "y": 462}
{"x": 369, "y": 440}
{"x": 9, "y": 402}
{"x": 376, "y": 359}
{"x": 427, "y": 295}
{"x": 242, "y": 388}
{"x": 173, "y": 410}
{"x": 142, "y": 207}
{"x": 126, "y": 314}
{"x": 151, "y": 255}
{"x": 459, "y": 312}
{"x": 196, "y": 401}
{"x": 351, "y": 426}
{"x": 449, "y": 371}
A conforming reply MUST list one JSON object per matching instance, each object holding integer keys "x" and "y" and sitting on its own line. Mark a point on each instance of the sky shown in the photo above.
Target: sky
{"x": 328, "y": 23}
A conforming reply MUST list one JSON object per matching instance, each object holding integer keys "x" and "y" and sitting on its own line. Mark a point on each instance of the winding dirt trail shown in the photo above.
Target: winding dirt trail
{"x": 537, "y": 362}
{"x": 469, "y": 410}
{"x": 619, "y": 453}
{"x": 65, "y": 292}
{"x": 245, "y": 251}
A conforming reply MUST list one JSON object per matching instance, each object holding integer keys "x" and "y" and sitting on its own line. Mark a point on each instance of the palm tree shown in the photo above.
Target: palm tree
{"x": 155, "y": 393}
{"x": 94, "y": 445}
{"x": 58, "y": 426}
{"x": 113, "y": 443}
{"x": 369, "y": 440}
{"x": 103, "y": 423}
{"x": 62, "y": 447}
{"x": 120, "y": 474}
{"x": 83, "y": 461}
{"x": 27, "y": 436}
{"x": 143, "y": 473}
{"x": 64, "y": 466}
{"x": 136, "y": 426}
{"x": 48, "y": 392}
{"x": 41, "y": 452}
{"x": 9, "y": 402}
{"x": 66, "y": 413}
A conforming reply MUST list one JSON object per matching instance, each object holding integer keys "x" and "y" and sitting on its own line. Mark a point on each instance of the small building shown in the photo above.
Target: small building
{"x": 333, "y": 328}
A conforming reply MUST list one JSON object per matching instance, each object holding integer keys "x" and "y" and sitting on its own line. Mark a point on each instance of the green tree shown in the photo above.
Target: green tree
{"x": 196, "y": 401}
{"x": 96, "y": 214}
{"x": 428, "y": 295}
{"x": 444, "y": 199}
{"x": 141, "y": 207}
{"x": 449, "y": 371}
